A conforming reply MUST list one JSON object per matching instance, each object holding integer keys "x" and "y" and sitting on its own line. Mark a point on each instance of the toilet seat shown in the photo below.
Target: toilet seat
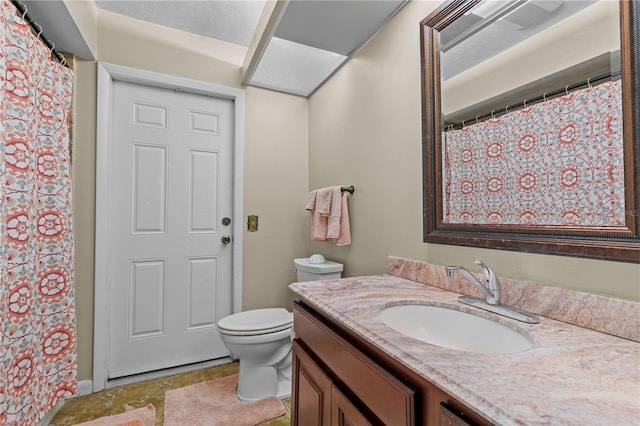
{"x": 254, "y": 332}
{"x": 255, "y": 322}
{"x": 256, "y": 338}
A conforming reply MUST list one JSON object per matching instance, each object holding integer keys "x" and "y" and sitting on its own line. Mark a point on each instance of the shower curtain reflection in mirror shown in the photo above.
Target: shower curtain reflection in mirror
{"x": 556, "y": 163}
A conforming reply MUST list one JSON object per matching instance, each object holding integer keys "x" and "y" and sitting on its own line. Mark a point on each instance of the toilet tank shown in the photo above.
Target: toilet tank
{"x": 317, "y": 271}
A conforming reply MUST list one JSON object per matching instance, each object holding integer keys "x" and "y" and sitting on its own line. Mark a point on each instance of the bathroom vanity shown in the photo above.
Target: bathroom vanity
{"x": 351, "y": 368}
{"x": 340, "y": 379}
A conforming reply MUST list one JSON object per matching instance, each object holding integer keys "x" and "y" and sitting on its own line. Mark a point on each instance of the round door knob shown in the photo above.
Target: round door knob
{"x": 226, "y": 239}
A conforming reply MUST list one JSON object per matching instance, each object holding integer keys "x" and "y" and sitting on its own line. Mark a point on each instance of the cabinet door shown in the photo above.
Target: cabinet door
{"x": 311, "y": 393}
{"x": 344, "y": 413}
{"x": 387, "y": 398}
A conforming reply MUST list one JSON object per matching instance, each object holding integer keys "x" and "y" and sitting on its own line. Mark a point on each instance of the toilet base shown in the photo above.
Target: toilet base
{"x": 284, "y": 390}
{"x": 257, "y": 382}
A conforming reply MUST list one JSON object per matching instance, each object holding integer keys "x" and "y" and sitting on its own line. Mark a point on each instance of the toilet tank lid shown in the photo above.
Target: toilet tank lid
{"x": 327, "y": 267}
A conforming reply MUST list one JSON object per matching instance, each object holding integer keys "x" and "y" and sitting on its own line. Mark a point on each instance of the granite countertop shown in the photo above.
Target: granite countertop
{"x": 571, "y": 375}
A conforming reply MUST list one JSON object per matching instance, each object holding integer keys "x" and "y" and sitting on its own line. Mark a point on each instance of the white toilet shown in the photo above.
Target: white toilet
{"x": 261, "y": 339}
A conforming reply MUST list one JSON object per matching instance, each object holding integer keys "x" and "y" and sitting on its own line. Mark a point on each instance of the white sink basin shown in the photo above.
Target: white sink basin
{"x": 453, "y": 329}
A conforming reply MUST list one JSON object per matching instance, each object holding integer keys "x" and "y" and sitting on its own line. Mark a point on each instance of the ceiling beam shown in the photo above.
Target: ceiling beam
{"x": 267, "y": 24}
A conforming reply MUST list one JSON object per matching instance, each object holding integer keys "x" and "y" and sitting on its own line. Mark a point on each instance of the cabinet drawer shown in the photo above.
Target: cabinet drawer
{"x": 390, "y": 400}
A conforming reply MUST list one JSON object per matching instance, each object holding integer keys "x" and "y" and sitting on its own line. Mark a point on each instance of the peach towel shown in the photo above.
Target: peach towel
{"x": 335, "y": 214}
{"x": 329, "y": 215}
{"x": 319, "y": 204}
{"x": 323, "y": 201}
{"x": 345, "y": 227}
{"x": 316, "y": 226}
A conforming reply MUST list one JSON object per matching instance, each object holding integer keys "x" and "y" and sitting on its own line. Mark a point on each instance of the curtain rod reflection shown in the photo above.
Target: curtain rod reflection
{"x": 526, "y": 102}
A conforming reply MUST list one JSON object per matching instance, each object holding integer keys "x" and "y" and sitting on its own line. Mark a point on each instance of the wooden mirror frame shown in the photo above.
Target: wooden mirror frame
{"x": 619, "y": 244}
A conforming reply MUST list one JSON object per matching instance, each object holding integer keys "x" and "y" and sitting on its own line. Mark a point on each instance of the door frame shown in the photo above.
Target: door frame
{"x": 107, "y": 74}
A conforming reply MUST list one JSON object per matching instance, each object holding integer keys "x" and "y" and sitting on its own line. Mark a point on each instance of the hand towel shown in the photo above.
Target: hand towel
{"x": 323, "y": 200}
{"x": 311, "y": 202}
{"x": 335, "y": 213}
{"x": 319, "y": 227}
{"x": 319, "y": 206}
{"x": 345, "y": 226}
{"x": 311, "y": 207}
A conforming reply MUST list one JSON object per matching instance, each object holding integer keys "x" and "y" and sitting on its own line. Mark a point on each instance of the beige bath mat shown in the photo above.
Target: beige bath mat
{"x": 215, "y": 403}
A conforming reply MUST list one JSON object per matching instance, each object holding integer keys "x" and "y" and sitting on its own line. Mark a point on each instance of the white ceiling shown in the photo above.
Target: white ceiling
{"x": 314, "y": 38}
{"x": 233, "y": 21}
{"x": 339, "y": 26}
{"x": 336, "y": 26}
{"x": 311, "y": 40}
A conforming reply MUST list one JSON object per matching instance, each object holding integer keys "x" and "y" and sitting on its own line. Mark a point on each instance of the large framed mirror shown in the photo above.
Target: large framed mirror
{"x": 531, "y": 126}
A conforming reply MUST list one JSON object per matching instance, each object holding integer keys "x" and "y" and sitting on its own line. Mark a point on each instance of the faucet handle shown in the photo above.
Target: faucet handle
{"x": 491, "y": 280}
{"x": 488, "y": 273}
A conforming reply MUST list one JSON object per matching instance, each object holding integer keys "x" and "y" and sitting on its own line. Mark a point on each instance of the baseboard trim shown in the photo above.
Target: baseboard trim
{"x": 127, "y": 380}
{"x": 51, "y": 414}
{"x": 85, "y": 387}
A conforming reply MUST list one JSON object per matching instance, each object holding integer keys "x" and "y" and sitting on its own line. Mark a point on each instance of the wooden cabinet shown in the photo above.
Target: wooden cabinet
{"x": 341, "y": 379}
{"x": 318, "y": 400}
{"x": 312, "y": 401}
{"x": 335, "y": 383}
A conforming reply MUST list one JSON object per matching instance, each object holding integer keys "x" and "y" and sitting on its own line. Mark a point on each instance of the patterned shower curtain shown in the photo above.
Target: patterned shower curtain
{"x": 556, "y": 163}
{"x": 37, "y": 311}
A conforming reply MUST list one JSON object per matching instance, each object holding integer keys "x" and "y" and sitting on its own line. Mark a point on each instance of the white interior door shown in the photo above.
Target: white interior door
{"x": 170, "y": 271}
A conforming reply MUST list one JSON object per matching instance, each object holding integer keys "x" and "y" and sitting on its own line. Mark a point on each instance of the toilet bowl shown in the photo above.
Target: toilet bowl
{"x": 261, "y": 340}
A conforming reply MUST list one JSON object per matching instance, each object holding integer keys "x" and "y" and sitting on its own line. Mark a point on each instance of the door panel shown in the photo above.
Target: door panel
{"x": 200, "y": 294}
{"x": 202, "y": 186}
{"x": 146, "y": 299}
{"x": 170, "y": 274}
{"x": 148, "y": 189}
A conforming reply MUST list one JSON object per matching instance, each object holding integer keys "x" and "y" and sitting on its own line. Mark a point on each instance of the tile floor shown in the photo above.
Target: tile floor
{"x": 124, "y": 398}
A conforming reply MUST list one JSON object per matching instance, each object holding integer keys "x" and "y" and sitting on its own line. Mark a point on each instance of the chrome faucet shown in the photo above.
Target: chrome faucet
{"x": 491, "y": 286}
{"x": 492, "y": 293}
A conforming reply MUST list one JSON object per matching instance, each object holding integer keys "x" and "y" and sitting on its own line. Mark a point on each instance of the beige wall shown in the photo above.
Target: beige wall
{"x": 361, "y": 128}
{"x": 142, "y": 45}
{"x": 275, "y": 168}
{"x": 365, "y": 130}
{"x": 85, "y": 16}
{"x": 275, "y": 189}
{"x": 84, "y": 184}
